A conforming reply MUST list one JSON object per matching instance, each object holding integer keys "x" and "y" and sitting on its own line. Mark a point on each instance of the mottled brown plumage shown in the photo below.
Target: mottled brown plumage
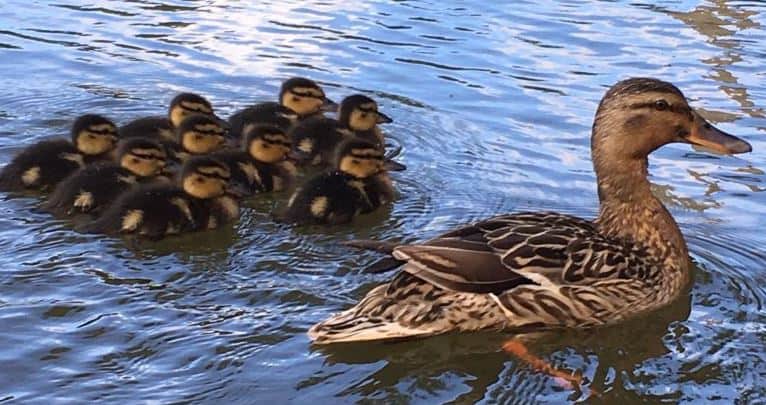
{"x": 548, "y": 270}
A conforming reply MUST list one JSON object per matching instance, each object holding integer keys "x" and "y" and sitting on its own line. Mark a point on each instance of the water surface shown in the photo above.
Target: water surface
{"x": 492, "y": 105}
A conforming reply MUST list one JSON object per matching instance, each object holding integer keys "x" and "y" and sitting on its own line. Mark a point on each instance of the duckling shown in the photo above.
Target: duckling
{"x": 44, "y": 164}
{"x": 261, "y": 165}
{"x": 360, "y": 184}
{"x": 316, "y": 139}
{"x": 360, "y": 114}
{"x": 299, "y": 98}
{"x": 163, "y": 128}
{"x": 94, "y": 187}
{"x": 198, "y": 135}
{"x": 199, "y": 201}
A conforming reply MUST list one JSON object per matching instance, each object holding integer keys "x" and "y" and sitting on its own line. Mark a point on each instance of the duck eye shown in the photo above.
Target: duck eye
{"x": 661, "y": 105}
{"x": 296, "y": 98}
{"x": 355, "y": 161}
{"x": 135, "y": 160}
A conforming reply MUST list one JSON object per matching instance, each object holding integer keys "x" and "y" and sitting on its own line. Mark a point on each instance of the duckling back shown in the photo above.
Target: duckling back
{"x": 90, "y": 189}
{"x": 41, "y": 166}
{"x": 328, "y": 198}
{"x": 151, "y": 211}
{"x": 316, "y": 139}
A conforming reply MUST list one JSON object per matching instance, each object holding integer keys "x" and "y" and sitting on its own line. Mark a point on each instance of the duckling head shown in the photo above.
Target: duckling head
{"x": 144, "y": 157}
{"x": 639, "y": 115}
{"x": 205, "y": 177}
{"x": 360, "y": 158}
{"x": 94, "y": 134}
{"x": 360, "y": 113}
{"x": 200, "y": 134}
{"x": 187, "y": 104}
{"x": 267, "y": 143}
{"x": 304, "y": 96}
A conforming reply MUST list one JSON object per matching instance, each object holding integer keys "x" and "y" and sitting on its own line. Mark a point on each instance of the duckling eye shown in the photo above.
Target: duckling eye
{"x": 296, "y": 98}
{"x": 197, "y": 137}
{"x": 364, "y": 115}
{"x": 661, "y": 105}
{"x": 135, "y": 160}
{"x": 265, "y": 145}
{"x": 355, "y": 161}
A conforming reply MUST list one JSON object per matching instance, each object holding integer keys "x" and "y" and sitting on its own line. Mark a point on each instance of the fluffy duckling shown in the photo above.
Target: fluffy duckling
{"x": 198, "y": 135}
{"x": 299, "y": 98}
{"x": 163, "y": 128}
{"x": 360, "y": 114}
{"x": 94, "y": 187}
{"x": 359, "y": 185}
{"x": 316, "y": 139}
{"x": 44, "y": 164}
{"x": 199, "y": 201}
{"x": 261, "y": 165}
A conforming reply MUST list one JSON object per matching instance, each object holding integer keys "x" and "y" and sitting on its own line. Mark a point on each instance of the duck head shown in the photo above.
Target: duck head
{"x": 94, "y": 134}
{"x": 205, "y": 177}
{"x": 200, "y": 134}
{"x": 304, "y": 96}
{"x": 267, "y": 143}
{"x": 144, "y": 157}
{"x": 360, "y": 113}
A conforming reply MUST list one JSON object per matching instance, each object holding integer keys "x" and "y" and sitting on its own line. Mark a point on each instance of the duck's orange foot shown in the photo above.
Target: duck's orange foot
{"x": 565, "y": 379}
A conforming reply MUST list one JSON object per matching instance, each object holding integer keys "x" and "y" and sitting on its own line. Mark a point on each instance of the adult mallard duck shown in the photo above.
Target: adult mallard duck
{"x": 549, "y": 270}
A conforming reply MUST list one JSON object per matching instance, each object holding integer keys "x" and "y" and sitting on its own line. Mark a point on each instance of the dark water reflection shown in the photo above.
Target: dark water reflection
{"x": 492, "y": 106}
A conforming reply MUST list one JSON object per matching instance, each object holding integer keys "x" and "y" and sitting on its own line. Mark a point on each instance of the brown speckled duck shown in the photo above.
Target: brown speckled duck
{"x": 548, "y": 270}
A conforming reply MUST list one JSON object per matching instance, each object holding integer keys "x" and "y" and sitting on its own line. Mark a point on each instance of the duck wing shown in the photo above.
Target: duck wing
{"x": 504, "y": 252}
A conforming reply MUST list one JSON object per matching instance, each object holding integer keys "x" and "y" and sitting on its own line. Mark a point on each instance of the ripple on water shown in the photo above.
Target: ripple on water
{"x": 492, "y": 108}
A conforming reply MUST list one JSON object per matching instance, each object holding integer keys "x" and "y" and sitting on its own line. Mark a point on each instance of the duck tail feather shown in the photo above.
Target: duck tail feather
{"x": 376, "y": 245}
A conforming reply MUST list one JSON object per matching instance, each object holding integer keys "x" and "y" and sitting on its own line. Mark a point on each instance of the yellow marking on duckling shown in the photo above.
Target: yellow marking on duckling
{"x": 84, "y": 201}
{"x": 369, "y": 106}
{"x": 127, "y": 179}
{"x": 183, "y": 206}
{"x": 74, "y": 157}
{"x": 250, "y": 171}
{"x": 212, "y": 223}
{"x": 289, "y": 167}
{"x": 132, "y": 220}
{"x": 31, "y": 176}
{"x": 306, "y": 145}
{"x": 278, "y": 183}
{"x": 229, "y": 205}
{"x": 319, "y": 206}
{"x": 172, "y": 229}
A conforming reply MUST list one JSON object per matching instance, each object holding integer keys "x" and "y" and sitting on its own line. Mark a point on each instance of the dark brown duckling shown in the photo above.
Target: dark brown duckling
{"x": 44, "y": 164}
{"x": 316, "y": 139}
{"x": 164, "y": 128}
{"x": 94, "y": 187}
{"x": 261, "y": 165}
{"x": 198, "y": 201}
{"x": 359, "y": 185}
{"x": 198, "y": 135}
{"x": 299, "y": 98}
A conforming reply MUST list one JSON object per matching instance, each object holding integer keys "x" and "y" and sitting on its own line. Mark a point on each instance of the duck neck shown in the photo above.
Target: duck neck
{"x": 629, "y": 210}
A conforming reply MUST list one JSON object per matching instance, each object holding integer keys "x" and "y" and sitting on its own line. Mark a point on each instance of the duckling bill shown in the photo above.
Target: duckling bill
{"x": 359, "y": 185}
{"x": 199, "y": 201}
{"x": 94, "y": 187}
{"x": 44, "y": 164}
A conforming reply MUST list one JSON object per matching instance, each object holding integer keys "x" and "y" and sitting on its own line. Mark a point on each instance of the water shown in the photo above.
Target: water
{"x": 492, "y": 105}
